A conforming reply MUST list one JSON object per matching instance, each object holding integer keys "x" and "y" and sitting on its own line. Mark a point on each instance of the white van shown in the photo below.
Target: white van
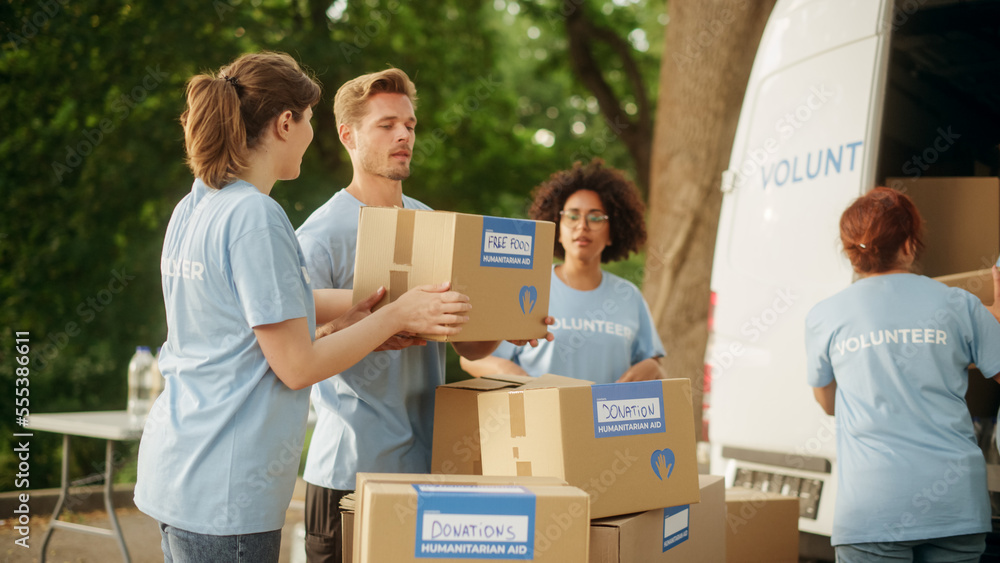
{"x": 844, "y": 95}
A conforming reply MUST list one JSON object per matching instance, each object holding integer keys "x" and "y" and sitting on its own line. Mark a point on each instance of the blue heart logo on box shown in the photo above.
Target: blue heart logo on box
{"x": 527, "y": 298}
{"x": 663, "y": 463}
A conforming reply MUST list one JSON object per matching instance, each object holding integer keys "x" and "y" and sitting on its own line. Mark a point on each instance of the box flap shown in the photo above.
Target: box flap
{"x": 511, "y": 378}
{"x": 512, "y": 381}
{"x": 976, "y": 282}
{"x": 430, "y": 479}
{"x": 550, "y": 380}
{"x": 615, "y": 521}
{"x": 480, "y": 384}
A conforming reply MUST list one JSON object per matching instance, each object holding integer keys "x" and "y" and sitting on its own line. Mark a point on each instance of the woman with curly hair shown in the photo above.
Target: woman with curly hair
{"x": 603, "y": 329}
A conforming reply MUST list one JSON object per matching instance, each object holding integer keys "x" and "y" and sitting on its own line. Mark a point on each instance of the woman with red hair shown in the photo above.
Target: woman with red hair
{"x": 891, "y": 352}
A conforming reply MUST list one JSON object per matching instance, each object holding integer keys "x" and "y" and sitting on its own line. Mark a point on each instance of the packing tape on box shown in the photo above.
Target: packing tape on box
{"x": 399, "y": 275}
{"x": 517, "y": 425}
{"x": 399, "y": 283}
{"x": 403, "y": 255}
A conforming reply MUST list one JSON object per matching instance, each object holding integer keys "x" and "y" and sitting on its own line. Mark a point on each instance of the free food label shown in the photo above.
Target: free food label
{"x": 508, "y": 243}
{"x": 624, "y": 409}
{"x": 676, "y": 525}
{"x": 475, "y": 522}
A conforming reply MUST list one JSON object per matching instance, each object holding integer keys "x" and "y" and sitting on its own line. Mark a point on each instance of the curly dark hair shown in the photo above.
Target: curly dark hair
{"x": 619, "y": 197}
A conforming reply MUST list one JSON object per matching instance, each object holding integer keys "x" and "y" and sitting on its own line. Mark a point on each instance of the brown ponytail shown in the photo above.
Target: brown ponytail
{"x": 227, "y": 113}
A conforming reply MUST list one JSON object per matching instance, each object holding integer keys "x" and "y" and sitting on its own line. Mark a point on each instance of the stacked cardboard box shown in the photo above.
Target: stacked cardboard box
{"x": 631, "y": 446}
{"x": 693, "y": 533}
{"x": 410, "y": 518}
{"x": 456, "y": 447}
{"x": 761, "y": 527}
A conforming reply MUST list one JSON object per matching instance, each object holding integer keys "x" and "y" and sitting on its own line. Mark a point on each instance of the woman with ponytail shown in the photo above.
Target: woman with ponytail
{"x": 891, "y": 353}
{"x": 221, "y": 447}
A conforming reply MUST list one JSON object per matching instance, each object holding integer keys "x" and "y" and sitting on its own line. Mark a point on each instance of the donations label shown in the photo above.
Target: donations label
{"x": 624, "y": 409}
{"x": 479, "y": 522}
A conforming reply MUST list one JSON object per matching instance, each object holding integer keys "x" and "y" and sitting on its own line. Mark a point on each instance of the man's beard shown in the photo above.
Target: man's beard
{"x": 374, "y": 165}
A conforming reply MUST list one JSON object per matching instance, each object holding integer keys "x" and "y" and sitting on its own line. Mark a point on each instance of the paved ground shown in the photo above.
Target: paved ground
{"x": 141, "y": 537}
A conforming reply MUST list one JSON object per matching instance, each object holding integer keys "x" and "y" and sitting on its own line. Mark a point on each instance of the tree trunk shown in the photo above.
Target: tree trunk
{"x": 636, "y": 133}
{"x": 708, "y": 52}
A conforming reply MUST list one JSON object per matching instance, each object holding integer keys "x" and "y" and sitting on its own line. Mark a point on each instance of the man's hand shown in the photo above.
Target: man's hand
{"x": 353, "y": 315}
{"x": 362, "y": 310}
{"x": 646, "y": 370}
{"x": 400, "y": 341}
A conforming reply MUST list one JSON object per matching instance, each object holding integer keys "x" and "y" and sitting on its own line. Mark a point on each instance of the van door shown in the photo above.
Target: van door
{"x": 805, "y": 147}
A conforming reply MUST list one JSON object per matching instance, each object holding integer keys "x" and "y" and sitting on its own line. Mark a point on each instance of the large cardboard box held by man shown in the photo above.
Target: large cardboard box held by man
{"x": 469, "y": 517}
{"x": 761, "y": 527}
{"x": 503, "y": 265}
{"x": 456, "y": 418}
{"x": 631, "y": 446}
{"x": 694, "y": 533}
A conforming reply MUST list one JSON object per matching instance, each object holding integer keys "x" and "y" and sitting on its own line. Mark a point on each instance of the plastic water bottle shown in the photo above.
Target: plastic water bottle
{"x": 155, "y": 378}
{"x": 139, "y": 375}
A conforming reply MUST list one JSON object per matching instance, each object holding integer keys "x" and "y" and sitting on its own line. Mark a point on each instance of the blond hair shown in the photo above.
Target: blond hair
{"x": 227, "y": 113}
{"x": 349, "y": 103}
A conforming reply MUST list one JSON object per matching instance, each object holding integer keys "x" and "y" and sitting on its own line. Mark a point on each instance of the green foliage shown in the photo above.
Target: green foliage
{"x": 91, "y": 153}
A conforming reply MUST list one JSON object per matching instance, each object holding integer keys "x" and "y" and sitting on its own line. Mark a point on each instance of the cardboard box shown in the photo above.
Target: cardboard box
{"x": 410, "y": 507}
{"x": 982, "y": 395}
{"x": 631, "y": 446}
{"x": 523, "y": 521}
{"x": 503, "y": 265}
{"x": 761, "y": 527}
{"x": 456, "y": 418}
{"x": 347, "y": 534}
{"x": 694, "y": 533}
{"x": 978, "y": 283}
{"x": 993, "y": 477}
{"x": 962, "y": 217}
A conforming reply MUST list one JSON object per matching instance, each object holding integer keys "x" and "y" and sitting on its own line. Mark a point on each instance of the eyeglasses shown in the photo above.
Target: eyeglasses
{"x": 593, "y": 220}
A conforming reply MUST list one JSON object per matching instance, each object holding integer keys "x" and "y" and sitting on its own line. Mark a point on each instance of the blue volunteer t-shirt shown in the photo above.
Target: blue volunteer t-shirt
{"x": 899, "y": 347}
{"x": 221, "y": 447}
{"x": 377, "y": 416}
{"x": 599, "y": 334}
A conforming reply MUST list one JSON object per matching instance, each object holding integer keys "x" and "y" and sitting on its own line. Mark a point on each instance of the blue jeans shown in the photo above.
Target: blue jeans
{"x": 182, "y": 546}
{"x": 952, "y": 549}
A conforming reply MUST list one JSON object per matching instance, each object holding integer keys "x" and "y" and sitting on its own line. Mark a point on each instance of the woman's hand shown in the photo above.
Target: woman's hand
{"x": 431, "y": 309}
{"x": 646, "y": 370}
